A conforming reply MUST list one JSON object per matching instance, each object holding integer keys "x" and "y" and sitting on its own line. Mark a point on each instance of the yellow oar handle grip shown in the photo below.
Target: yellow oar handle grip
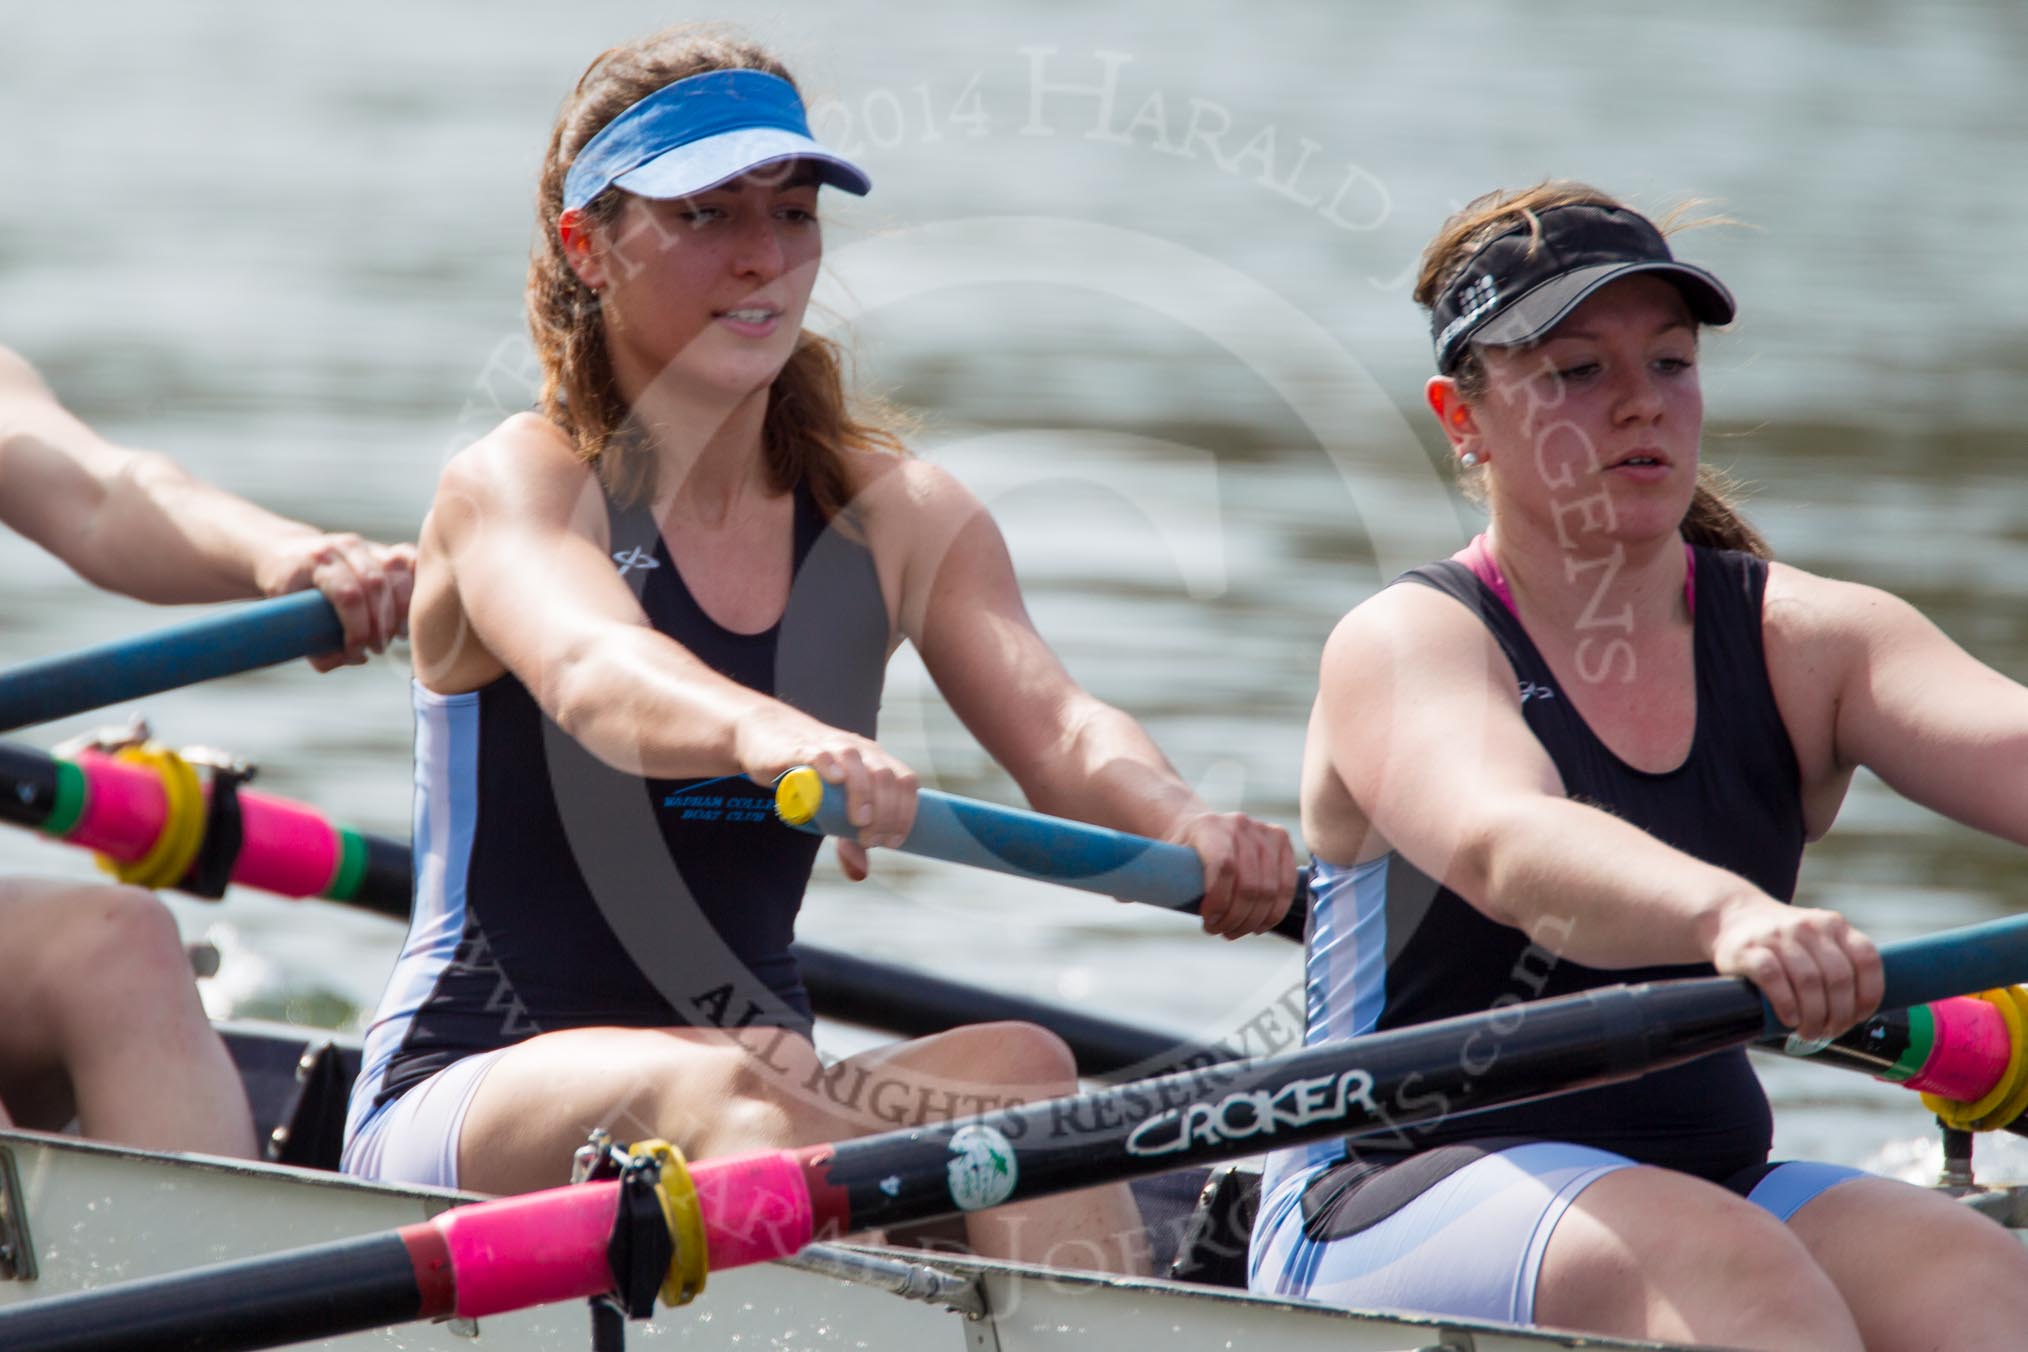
{"x": 798, "y": 795}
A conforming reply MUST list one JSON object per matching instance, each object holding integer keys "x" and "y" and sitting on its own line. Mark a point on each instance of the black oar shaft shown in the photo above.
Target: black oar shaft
{"x": 27, "y": 786}
{"x": 1383, "y": 1084}
{"x": 336, "y": 1288}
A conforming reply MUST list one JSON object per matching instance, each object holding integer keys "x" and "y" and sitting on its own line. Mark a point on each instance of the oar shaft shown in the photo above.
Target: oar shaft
{"x": 243, "y": 639}
{"x": 100, "y": 803}
{"x": 1380, "y": 1085}
{"x": 1974, "y": 958}
{"x": 346, "y": 1287}
{"x": 1027, "y": 845}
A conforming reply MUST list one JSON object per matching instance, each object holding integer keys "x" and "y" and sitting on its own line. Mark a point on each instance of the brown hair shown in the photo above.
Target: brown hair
{"x": 1713, "y": 520}
{"x": 810, "y": 423}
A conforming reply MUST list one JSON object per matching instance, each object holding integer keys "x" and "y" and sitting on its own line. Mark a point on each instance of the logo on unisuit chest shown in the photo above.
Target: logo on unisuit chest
{"x": 982, "y": 1168}
{"x": 1254, "y": 1112}
{"x": 630, "y": 559}
{"x": 693, "y": 804}
{"x": 1536, "y": 690}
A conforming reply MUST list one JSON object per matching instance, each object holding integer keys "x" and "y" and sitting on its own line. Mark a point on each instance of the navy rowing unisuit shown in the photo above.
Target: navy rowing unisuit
{"x": 1389, "y": 947}
{"x": 554, "y": 891}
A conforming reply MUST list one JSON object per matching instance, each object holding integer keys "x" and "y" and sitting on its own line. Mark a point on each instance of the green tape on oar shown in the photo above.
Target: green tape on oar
{"x": 1921, "y": 1041}
{"x": 70, "y": 800}
{"x": 345, "y": 879}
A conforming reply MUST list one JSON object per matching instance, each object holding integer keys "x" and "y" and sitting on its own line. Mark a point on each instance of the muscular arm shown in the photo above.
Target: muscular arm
{"x": 1897, "y": 696}
{"x": 135, "y": 522}
{"x": 1072, "y": 754}
{"x": 1418, "y": 714}
{"x": 515, "y": 548}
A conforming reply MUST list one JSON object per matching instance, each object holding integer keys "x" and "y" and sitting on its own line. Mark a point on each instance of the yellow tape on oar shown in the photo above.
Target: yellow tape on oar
{"x": 680, "y": 1208}
{"x": 182, "y": 834}
{"x": 2009, "y": 1096}
{"x": 798, "y": 795}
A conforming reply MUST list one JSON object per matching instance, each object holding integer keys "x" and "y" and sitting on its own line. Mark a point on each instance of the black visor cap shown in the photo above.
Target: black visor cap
{"x": 1519, "y": 285}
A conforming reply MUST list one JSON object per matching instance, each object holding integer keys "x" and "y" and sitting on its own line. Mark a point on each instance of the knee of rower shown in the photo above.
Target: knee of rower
{"x": 1027, "y": 1058}
{"x": 111, "y": 961}
{"x": 114, "y": 940}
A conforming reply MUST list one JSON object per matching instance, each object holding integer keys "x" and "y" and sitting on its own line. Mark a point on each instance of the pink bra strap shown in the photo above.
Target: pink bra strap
{"x": 1477, "y": 557}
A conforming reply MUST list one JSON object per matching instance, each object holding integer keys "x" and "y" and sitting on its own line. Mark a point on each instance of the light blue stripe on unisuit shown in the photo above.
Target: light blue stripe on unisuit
{"x": 1345, "y": 977}
{"x": 1348, "y": 955}
{"x": 1369, "y": 943}
{"x": 446, "y": 817}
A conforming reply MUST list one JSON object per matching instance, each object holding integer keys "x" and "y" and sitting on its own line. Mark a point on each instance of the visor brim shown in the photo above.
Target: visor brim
{"x": 1531, "y": 318}
{"x": 716, "y": 160}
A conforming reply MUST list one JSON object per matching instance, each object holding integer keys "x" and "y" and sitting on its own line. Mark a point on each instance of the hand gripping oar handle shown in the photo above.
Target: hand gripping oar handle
{"x": 1029, "y": 845}
{"x": 258, "y": 635}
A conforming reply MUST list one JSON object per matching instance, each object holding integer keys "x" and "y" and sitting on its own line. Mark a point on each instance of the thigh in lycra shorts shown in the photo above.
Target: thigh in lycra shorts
{"x": 414, "y": 1138}
{"x": 1458, "y": 1230}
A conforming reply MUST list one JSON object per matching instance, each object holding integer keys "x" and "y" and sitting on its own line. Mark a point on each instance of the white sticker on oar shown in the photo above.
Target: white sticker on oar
{"x": 982, "y": 1168}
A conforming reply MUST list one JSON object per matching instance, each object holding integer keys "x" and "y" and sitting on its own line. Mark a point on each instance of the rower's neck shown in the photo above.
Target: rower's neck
{"x": 1593, "y": 583}
{"x": 710, "y": 463}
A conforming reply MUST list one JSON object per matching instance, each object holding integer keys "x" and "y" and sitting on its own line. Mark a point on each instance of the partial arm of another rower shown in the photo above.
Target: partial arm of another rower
{"x": 137, "y": 523}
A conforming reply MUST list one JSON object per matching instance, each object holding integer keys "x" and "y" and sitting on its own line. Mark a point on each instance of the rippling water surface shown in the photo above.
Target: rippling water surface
{"x": 1143, "y": 272}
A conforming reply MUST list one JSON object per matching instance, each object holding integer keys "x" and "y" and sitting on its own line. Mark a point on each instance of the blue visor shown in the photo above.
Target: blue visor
{"x": 698, "y": 133}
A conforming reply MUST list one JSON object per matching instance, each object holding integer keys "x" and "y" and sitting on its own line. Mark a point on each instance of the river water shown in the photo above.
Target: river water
{"x": 1142, "y": 271}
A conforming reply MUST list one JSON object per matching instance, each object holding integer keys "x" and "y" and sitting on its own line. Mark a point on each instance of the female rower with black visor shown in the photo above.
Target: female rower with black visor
{"x": 635, "y": 607}
{"x": 1588, "y": 748}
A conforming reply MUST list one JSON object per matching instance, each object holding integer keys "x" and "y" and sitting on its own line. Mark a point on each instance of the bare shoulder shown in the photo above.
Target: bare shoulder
{"x": 912, "y": 513}
{"x": 1403, "y": 624}
{"x": 897, "y": 489}
{"x": 18, "y": 377}
{"x": 525, "y": 452}
{"x": 29, "y": 408}
{"x": 1824, "y": 621}
{"x": 525, "y": 470}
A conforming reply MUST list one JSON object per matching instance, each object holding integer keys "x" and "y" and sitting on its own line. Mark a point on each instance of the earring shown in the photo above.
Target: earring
{"x": 1469, "y": 459}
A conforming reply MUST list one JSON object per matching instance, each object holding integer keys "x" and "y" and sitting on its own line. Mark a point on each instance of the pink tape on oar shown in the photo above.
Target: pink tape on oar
{"x": 1970, "y": 1053}
{"x": 521, "y": 1251}
{"x": 124, "y": 808}
{"x": 756, "y": 1208}
{"x": 288, "y": 848}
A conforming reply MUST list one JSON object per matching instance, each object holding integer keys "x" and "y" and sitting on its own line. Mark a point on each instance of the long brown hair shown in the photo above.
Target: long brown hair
{"x": 810, "y": 422}
{"x": 1713, "y": 521}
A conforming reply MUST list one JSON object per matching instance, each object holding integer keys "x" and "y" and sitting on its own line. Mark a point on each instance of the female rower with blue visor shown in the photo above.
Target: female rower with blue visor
{"x": 641, "y": 603}
{"x": 1588, "y": 748}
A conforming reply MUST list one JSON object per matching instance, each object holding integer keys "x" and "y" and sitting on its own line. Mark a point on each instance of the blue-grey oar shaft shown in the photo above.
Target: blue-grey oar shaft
{"x": 242, "y": 639}
{"x": 1031, "y": 845}
{"x": 1955, "y": 962}
{"x": 1938, "y": 966}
